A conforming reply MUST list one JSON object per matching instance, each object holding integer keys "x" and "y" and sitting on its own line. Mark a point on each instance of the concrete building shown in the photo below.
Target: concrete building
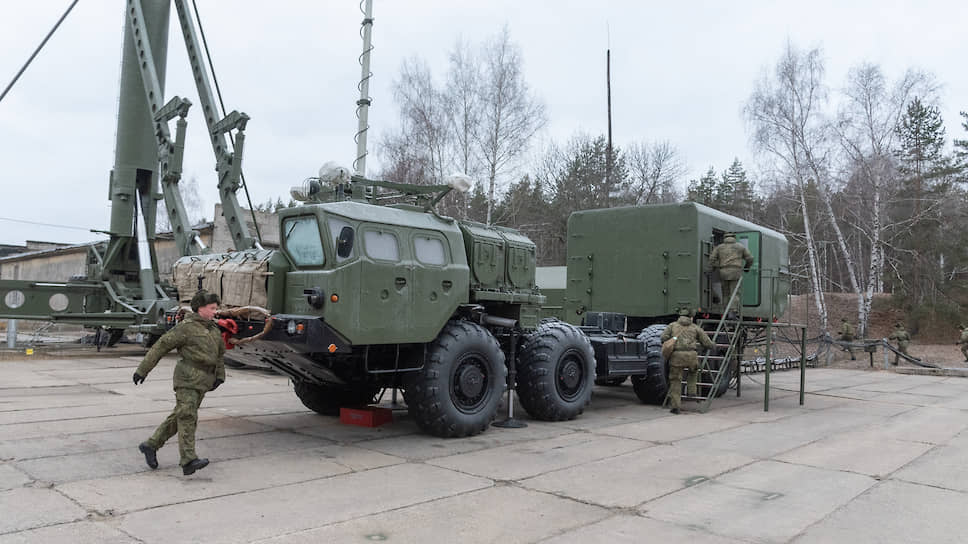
{"x": 51, "y": 261}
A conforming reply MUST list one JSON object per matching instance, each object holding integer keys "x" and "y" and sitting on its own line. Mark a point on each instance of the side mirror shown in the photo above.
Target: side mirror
{"x": 344, "y": 244}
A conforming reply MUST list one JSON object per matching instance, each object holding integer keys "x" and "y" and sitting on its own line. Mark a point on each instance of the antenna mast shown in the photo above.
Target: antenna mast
{"x": 363, "y": 104}
{"x": 608, "y": 149}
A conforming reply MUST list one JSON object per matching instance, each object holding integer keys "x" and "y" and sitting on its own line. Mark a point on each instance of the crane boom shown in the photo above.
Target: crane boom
{"x": 228, "y": 164}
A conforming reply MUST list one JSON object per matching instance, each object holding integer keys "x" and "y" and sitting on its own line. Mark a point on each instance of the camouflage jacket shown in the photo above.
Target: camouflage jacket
{"x": 901, "y": 336}
{"x": 964, "y": 337}
{"x": 200, "y": 351}
{"x": 730, "y": 258}
{"x": 688, "y": 335}
{"x": 846, "y": 331}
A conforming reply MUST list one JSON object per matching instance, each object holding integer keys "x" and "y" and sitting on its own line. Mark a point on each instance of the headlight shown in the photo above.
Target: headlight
{"x": 291, "y": 328}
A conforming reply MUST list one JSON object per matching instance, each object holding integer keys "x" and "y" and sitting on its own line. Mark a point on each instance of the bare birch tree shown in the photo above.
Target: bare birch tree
{"x": 654, "y": 171}
{"x": 510, "y": 113}
{"x": 784, "y": 114}
{"x": 866, "y": 132}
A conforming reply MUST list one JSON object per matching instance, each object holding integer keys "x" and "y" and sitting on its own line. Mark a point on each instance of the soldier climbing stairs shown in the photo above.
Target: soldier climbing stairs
{"x": 717, "y": 367}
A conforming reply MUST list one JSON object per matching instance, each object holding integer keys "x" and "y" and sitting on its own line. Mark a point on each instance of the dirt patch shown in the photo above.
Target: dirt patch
{"x": 944, "y": 355}
{"x": 884, "y": 314}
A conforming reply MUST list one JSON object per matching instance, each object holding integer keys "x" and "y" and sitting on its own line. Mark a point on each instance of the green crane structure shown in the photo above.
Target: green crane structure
{"x": 122, "y": 289}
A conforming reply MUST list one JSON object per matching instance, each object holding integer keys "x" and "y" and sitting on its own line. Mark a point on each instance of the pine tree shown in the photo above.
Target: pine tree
{"x": 703, "y": 190}
{"x": 925, "y": 187}
{"x": 737, "y": 192}
{"x": 921, "y": 133}
{"x": 961, "y": 146}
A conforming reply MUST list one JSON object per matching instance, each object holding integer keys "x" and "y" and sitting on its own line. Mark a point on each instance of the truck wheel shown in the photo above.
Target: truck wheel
{"x": 327, "y": 399}
{"x": 460, "y": 386}
{"x": 556, "y": 370}
{"x": 654, "y": 385}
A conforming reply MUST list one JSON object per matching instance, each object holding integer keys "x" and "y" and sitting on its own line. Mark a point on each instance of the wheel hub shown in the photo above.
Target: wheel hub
{"x": 570, "y": 376}
{"x": 471, "y": 381}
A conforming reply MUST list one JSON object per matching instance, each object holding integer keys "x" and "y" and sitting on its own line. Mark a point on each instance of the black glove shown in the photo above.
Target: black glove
{"x": 217, "y": 383}
{"x": 137, "y": 378}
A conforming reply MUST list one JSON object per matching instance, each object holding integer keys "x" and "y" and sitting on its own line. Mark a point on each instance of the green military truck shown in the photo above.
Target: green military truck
{"x": 630, "y": 269}
{"x": 366, "y": 297}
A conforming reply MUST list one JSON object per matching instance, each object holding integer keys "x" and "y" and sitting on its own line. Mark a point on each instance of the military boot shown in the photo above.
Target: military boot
{"x": 193, "y": 465}
{"x": 151, "y": 455}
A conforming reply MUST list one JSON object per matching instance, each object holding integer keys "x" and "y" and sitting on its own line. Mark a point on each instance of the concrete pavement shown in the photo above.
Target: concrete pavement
{"x": 873, "y": 456}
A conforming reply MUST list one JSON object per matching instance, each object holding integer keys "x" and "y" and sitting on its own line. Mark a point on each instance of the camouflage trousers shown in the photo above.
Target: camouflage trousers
{"x": 682, "y": 362}
{"x": 728, "y": 286}
{"x": 183, "y": 420}
{"x": 848, "y": 349}
{"x": 902, "y": 347}
{"x": 964, "y": 351}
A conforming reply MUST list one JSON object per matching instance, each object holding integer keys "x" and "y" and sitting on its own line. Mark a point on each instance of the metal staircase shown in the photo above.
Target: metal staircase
{"x": 716, "y": 367}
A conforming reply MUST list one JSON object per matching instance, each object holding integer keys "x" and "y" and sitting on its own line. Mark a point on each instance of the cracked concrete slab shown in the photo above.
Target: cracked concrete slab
{"x": 166, "y": 486}
{"x": 29, "y": 507}
{"x": 81, "y": 532}
{"x": 870, "y": 451}
{"x": 11, "y": 477}
{"x": 497, "y": 514}
{"x": 632, "y": 529}
{"x": 895, "y": 512}
{"x": 291, "y": 508}
{"x": 766, "y": 501}
{"x": 518, "y": 461}
{"x": 636, "y": 477}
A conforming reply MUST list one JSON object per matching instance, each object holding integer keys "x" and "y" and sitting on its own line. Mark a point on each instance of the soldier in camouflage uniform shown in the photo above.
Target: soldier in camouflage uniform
{"x": 847, "y": 335}
{"x": 731, "y": 258}
{"x": 963, "y": 341}
{"x": 903, "y": 339}
{"x": 200, "y": 369}
{"x": 685, "y": 358}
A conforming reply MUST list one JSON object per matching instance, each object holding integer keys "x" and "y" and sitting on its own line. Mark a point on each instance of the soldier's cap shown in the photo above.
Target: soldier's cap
{"x": 729, "y": 235}
{"x": 204, "y": 298}
{"x": 898, "y": 325}
{"x": 843, "y": 319}
{"x": 685, "y": 312}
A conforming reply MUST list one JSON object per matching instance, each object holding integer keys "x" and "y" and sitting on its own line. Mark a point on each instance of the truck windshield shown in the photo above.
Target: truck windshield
{"x": 301, "y": 236}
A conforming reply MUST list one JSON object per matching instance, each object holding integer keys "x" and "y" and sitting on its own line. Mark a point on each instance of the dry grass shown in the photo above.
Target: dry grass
{"x": 934, "y": 343}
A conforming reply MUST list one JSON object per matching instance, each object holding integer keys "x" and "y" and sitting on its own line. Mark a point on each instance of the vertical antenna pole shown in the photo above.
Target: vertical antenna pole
{"x": 363, "y": 104}
{"x": 608, "y": 150}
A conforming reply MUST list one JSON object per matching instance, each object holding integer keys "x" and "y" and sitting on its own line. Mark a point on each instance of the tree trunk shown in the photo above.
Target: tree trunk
{"x": 491, "y": 179}
{"x": 876, "y": 265}
{"x": 812, "y": 254}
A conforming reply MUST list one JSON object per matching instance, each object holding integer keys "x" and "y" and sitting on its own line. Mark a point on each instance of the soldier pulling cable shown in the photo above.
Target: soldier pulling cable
{"x": 200, "y": 369}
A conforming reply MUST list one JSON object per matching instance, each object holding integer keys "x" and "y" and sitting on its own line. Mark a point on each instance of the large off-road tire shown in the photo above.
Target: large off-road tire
{"x": 654, "y": 385}
{"x": 327, "y": 399}
{"x": 556, "y": 370}
{"x": 458, "y": 391}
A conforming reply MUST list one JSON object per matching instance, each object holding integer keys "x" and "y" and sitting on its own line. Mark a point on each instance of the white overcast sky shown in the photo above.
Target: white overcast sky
{"x": 680, "y": 72}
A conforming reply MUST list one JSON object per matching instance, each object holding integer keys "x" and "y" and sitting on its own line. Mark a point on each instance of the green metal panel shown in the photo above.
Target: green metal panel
{"x": 647, "y": 261}
{"x": 386, "y": 294}
{"x": 551, "y": 280}
{"x": 486, "y": 249}
{"x": 751, "y": 278}
{"x": 382, "y": 301}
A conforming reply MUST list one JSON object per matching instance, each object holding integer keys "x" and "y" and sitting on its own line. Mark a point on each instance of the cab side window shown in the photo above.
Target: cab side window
{"x": 429, "y": 250}
{"x": 381, "y": 245}
{"x": 344, "y": 236}
{"x": 302, "y": 240}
